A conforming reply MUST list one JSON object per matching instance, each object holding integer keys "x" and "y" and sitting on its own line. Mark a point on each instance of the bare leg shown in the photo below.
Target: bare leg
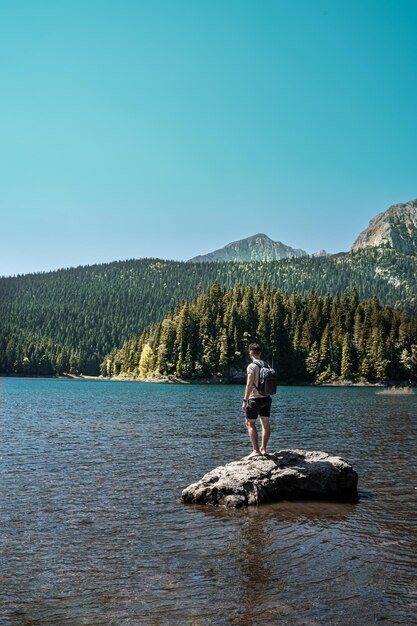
{"x": 266, "y": 431}
{"x": 253, "y": 435}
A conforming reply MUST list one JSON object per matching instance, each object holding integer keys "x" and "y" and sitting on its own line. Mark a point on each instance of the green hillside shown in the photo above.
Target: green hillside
{"x": 67, "y": 320}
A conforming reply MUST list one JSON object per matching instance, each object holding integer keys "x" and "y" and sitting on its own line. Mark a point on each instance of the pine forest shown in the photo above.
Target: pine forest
{"x": 308, "y": 338}
{"x": 66, "y": 321}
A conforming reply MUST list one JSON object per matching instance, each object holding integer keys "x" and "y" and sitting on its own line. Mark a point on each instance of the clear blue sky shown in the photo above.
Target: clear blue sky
{"x": 170, "y": 128}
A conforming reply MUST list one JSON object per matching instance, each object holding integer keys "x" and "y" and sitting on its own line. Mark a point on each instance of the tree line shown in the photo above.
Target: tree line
{"x": 308, "y": 338}
{"x": 68, "y": 320}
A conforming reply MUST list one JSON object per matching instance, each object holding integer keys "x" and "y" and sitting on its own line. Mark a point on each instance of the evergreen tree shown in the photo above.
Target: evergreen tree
{"x": 347, "y": 371}
{"x": 313, "y": 360}
{"x": 321, "y": 339}
{"x": 145, "y": 361}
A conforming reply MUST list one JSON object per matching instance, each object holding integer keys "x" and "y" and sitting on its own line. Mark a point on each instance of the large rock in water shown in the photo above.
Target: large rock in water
{"x": 285, "y": 474}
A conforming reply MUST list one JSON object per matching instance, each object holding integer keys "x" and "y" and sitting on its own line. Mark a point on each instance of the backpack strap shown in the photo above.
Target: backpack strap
{"x": 260, "y": 367}
{"x": 265, "y": 364}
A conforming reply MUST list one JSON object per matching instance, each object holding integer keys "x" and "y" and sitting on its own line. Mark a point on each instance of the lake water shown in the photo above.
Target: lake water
{"x": 93, "y": 530}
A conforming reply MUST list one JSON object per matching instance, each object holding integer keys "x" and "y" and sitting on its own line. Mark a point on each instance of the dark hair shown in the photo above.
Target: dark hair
{"x": 255, "y": 348}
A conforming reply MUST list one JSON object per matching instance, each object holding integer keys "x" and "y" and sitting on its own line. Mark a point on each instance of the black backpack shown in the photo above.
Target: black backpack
{"x": 267, "y": 383}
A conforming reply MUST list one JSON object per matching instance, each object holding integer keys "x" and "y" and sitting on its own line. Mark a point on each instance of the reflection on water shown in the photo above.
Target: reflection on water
{"x": 93, "y": 530}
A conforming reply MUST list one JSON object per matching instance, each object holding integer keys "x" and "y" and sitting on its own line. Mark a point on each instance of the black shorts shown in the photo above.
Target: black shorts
{"x": 258, "y": 406}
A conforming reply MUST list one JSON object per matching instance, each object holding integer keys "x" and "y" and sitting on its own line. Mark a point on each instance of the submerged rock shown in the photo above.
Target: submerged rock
{"x": 289, "y": 474}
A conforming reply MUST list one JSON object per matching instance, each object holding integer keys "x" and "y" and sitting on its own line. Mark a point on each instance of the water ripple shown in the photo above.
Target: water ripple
{"x": 93, "y": 531}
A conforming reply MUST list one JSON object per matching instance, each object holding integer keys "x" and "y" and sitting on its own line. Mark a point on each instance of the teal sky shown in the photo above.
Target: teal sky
{"x": 132, "y": 129}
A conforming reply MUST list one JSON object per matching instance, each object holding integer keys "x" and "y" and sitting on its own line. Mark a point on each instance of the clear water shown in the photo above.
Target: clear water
{"x": 93, "y": 530}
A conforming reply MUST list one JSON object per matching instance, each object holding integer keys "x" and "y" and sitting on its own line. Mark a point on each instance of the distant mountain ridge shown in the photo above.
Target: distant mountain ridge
{"x": 394, "y": 228}
{"x": 255, "y": 248}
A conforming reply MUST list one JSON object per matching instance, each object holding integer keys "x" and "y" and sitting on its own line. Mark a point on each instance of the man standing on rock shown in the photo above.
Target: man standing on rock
{"x": 256, "y": 404}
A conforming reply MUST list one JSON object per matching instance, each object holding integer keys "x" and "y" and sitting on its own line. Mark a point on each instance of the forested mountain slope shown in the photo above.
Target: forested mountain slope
{"x": 67, "y": 320}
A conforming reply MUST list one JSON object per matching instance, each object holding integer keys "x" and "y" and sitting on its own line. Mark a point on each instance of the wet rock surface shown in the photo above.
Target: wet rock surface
{"x": 286, "y": 474}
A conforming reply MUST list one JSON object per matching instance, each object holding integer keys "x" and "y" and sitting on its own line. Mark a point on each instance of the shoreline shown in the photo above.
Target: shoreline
{"x": 173, "y": 380}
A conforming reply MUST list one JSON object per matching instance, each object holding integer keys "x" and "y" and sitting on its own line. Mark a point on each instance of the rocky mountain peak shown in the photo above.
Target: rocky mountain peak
{"x": 394, "y": 228}
{"x": 260, "y": 236}
{"x": 257, "y": 247}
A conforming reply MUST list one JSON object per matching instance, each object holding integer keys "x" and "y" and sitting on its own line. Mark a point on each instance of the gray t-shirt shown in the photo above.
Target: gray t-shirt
{"x": 252, "y": 367}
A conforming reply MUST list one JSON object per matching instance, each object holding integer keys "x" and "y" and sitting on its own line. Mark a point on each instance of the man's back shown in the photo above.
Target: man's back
{"x": 254, "y": 367}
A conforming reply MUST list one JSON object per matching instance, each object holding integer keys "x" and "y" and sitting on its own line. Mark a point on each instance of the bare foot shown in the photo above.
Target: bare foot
{"x": 253, "y": 454}
{"x": 263, "y": 451}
